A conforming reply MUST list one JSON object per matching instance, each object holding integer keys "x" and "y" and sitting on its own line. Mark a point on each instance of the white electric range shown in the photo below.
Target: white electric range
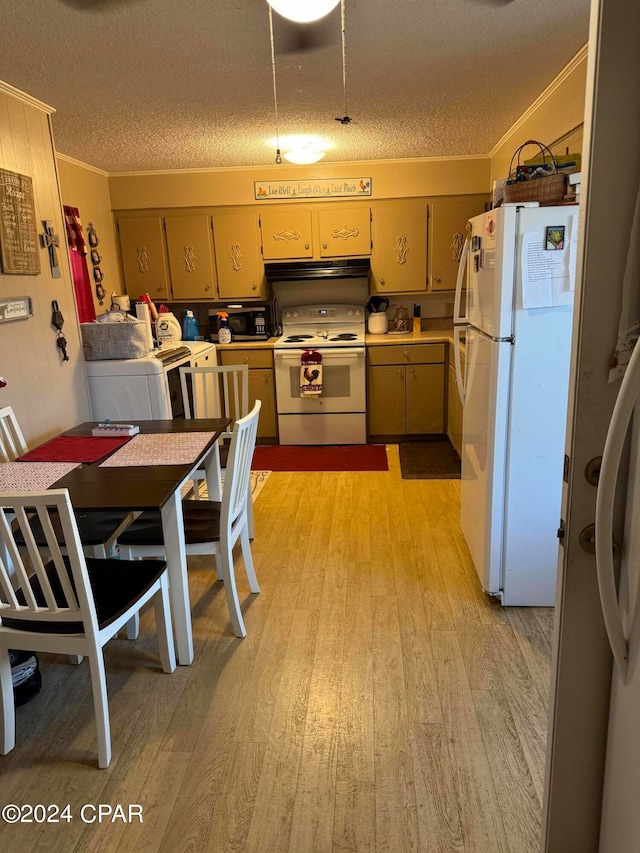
{"x": 338, "y": 414}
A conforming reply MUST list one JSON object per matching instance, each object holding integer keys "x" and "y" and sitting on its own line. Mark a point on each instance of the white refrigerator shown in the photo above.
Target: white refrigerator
{"x": 517, "y": 336}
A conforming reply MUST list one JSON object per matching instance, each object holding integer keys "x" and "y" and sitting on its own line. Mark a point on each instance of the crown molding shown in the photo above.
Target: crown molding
{"x": 570, "y": 67}
{"x": 7, "y": 89}
{"x": 82, "y": 165}
{"x": 352, "y": 165}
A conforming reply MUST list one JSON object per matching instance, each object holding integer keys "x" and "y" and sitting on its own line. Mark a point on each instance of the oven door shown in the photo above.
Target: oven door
{"x": 343, "y": 382}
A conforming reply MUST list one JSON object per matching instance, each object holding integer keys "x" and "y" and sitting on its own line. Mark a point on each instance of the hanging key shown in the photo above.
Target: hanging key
{"x": 57, "y": 320}
{"x": 61, "y": 343}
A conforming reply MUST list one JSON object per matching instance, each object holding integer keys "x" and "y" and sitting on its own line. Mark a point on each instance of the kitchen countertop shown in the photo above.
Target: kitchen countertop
{"x": 426, "y": 336}
{"x": 247, "y": 345}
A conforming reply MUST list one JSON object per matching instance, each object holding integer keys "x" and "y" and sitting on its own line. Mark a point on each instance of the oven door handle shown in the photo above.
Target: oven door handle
{"x": 327, "y": 354}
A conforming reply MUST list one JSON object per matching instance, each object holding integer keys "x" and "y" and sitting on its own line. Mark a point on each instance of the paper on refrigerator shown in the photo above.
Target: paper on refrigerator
{"x": 548, "y": 276}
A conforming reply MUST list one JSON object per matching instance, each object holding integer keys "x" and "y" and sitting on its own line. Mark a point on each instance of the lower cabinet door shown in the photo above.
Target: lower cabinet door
{"x": 385, "y": 406}
{"x": 425, "y": 398}
{"x": 262, "y": 387}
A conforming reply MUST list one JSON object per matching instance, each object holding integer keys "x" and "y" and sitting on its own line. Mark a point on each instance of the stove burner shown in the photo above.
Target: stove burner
{"x": 294, "y": 339}
{"x": 345, "y": 336}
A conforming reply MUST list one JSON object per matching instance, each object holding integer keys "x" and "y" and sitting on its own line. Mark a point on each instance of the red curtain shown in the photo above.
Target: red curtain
{"x": 79, "y": 269}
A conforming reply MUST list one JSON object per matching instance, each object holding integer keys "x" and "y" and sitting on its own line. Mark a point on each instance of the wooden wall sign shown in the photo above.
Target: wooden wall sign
{"x": 19, "y": 249}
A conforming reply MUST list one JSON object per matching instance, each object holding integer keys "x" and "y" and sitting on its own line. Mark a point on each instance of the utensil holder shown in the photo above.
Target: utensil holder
{"x": 377, "y": 324}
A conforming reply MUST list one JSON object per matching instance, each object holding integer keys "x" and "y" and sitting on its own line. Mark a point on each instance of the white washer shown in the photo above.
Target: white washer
{"x": 144, "y": 388}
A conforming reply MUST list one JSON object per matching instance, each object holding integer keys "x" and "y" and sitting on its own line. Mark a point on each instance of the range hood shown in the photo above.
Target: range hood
{"x": 318, "y": 270}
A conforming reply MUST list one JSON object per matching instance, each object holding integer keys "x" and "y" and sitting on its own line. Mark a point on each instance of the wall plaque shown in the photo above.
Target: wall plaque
{"x": 19, "y": 249}
{"x": 313, "y": 188}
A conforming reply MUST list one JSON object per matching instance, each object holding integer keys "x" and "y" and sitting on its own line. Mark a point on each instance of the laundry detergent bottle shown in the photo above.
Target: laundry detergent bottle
{"x": 190, "y": 329}
{"x": 225, "y": 332}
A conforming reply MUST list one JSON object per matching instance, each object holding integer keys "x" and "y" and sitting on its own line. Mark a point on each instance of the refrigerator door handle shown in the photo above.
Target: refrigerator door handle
{"x": 614, "y": 443}
{"x": 457, "y": 331}
{"x": 457, "y": 318}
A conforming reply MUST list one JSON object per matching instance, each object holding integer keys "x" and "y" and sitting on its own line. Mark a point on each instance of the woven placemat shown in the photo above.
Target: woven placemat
{"x": 32, "y": 476}
{"x": 167, "y": 448}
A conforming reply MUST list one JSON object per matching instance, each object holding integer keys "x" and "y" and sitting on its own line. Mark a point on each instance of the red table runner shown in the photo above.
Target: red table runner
{"x": 74, "y": 448}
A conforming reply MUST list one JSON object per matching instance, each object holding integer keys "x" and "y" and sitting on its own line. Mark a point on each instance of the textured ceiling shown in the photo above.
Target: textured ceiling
{"x": 161, "y": 84}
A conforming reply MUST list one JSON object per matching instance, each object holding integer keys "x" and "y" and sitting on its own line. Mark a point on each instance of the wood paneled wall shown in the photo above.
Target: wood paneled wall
{"x": 47, "y": 394}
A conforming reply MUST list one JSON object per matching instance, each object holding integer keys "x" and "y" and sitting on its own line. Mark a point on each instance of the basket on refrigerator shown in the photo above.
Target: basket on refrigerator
{"x": 530, "y": 183}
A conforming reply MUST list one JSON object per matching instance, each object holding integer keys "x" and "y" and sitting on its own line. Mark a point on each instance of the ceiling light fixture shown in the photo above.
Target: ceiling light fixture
{"x": 275, "y": 90}
{"x": 305, "y": 154}
{"x": 303, "y": 11}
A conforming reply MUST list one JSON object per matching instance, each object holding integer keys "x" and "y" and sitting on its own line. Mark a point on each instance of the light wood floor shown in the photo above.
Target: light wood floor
{"x": 380, "y": 702}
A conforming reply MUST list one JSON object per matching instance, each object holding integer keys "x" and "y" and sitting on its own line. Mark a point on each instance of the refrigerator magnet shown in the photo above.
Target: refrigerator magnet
{"x": 554, "y": 237}
{"x": 476, "y": 263}
{"x": 475, "y": 243}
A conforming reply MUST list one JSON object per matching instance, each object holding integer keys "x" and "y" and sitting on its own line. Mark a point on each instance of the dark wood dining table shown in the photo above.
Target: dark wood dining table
{"x": 152, "y": 487}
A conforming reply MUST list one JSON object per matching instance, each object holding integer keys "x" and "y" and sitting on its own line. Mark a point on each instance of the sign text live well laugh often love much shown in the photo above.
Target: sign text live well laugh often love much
{"x": 316, "y": 188}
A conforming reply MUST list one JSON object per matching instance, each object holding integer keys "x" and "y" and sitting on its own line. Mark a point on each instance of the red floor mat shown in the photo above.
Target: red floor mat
{"x": 353, "y": 457}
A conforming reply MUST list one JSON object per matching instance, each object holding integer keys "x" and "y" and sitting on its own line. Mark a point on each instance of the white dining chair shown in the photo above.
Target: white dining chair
{"x": 12, "y": 442}
{"x": 70, "y": 605}
{"x": 212, "y": 527}
{"x": 220, "y": 391}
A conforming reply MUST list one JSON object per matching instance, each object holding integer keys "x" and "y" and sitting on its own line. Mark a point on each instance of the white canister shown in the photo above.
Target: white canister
{"x": 168, "y": 327}
{"x": 377, "y": 324}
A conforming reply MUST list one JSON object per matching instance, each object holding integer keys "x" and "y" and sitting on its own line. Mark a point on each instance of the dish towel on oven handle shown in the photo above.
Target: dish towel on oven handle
{"x": 310, "y": 373}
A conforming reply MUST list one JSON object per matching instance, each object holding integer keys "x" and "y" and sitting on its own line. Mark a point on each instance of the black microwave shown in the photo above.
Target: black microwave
{"x": 248, "y": 322}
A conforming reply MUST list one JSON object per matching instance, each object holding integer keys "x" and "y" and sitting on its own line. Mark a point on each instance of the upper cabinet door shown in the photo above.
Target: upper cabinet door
{"x": 286, "y": 234}
{"x": 190, "y": 246}
{"x": 238, "y": 260}
{"x": 345, "y": 231}
{"x": 143, "y": 252}
{"x": 399, "y": 254}
{"x": 448, "y": 222}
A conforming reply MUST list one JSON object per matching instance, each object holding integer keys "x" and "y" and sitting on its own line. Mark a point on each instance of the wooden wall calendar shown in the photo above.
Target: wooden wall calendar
{"x": 19, "y": 248}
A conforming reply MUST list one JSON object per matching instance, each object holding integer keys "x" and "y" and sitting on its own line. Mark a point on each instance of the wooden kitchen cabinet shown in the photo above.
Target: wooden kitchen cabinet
{"x": 344, "y": 231}
{"x": 447, "y": 225}
{"x": 286, "y": 234}
{"x": 406, "y": 389}
{"x": 261, "y": 384}
{"x": 399, "y": 252}
{"x": 386, "y": 400}
{"x": 238, "y": 256}
{"x": 313, "y": 233}
{"x": 190, "y": 250}
{"x": 144, "y": 257}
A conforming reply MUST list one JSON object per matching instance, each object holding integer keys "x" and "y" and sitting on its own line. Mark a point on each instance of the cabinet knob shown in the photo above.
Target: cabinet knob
{"x": 306, "y": 245}
{"x": 254, "y": 287}
{"x": 399, "y": 372}
{"x": 246, "y": 359}
{"x": 160, "y": 289}
{"x": 324, "y": 245}
{"x": 406, "y": 355}
{"x": 381, "y": 281}
{"x": 437, "y": 278}
{"x": 207, "y": 287}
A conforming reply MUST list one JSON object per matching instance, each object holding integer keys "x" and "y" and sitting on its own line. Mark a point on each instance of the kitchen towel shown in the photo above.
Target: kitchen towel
{"x": 73, "y": 448}
{"x": 310, "y": 373}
